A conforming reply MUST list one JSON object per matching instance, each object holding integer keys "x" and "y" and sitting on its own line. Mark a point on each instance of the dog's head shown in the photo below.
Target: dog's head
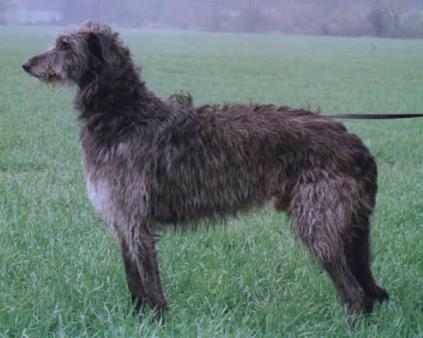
{"x": 76, "y": 56}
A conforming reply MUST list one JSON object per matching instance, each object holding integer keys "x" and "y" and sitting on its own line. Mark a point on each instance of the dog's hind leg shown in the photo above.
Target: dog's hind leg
{"x": 358, "y": 256}
{"x": 320, "y": 219}
{"x": 142, "y": 271}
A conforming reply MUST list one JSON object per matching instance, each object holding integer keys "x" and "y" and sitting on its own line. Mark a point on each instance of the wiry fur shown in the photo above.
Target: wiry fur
{"x": 150, "y": 162}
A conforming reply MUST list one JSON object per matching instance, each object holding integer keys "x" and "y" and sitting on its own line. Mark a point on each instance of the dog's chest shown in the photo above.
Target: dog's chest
{"x": 100, "y": 195}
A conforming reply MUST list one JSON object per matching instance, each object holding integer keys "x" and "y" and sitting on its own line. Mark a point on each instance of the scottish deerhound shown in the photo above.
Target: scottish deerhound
{"x": 151, "y": 161}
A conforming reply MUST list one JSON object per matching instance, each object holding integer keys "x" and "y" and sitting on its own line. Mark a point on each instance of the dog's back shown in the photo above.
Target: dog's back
{"x": 221, "y": 160}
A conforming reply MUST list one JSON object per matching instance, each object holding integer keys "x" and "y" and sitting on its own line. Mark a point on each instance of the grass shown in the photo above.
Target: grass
{"x": 60, "y": 272}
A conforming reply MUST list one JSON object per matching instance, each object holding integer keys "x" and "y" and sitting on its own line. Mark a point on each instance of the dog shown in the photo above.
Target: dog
{"x": 150, "y": 162}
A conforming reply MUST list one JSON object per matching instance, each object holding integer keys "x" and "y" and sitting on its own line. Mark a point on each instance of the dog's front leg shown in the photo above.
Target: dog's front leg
{"x": 142, "y": 271}
{"x": 133, "y": 278}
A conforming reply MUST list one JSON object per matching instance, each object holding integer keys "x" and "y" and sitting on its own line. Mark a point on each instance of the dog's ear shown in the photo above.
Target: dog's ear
{"x": 99, "y": 45}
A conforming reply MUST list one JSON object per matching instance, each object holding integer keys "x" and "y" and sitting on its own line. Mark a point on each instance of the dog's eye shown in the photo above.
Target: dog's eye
{"x": 63, "y": 45}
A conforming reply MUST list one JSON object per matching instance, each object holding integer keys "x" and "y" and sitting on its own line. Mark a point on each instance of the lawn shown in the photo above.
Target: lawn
{"x": 61, "y": 273}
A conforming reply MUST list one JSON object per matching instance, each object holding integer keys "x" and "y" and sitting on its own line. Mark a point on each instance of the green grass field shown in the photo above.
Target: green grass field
{"x": 61, "y": 273}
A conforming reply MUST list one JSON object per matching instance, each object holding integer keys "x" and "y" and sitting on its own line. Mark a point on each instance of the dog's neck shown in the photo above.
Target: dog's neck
{"x": 105, "y": 86}
{"x": 114, "y": 101}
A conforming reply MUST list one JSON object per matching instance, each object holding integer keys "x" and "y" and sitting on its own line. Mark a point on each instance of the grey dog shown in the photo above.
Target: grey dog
{"x": 150, "y": 161}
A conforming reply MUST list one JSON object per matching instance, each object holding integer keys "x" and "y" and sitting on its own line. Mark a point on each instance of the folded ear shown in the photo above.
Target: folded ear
{"x": 99, "y": 45}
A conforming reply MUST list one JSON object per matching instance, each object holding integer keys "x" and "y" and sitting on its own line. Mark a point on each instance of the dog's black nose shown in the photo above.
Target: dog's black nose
{"x": 26, "y": 67}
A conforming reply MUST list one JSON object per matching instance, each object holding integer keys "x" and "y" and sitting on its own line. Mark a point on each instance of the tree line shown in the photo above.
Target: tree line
{"x": 386, "y": 18}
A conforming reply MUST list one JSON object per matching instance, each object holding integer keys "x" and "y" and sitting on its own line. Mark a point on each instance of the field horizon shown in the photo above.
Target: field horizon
{"x": 61, "y": 274}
